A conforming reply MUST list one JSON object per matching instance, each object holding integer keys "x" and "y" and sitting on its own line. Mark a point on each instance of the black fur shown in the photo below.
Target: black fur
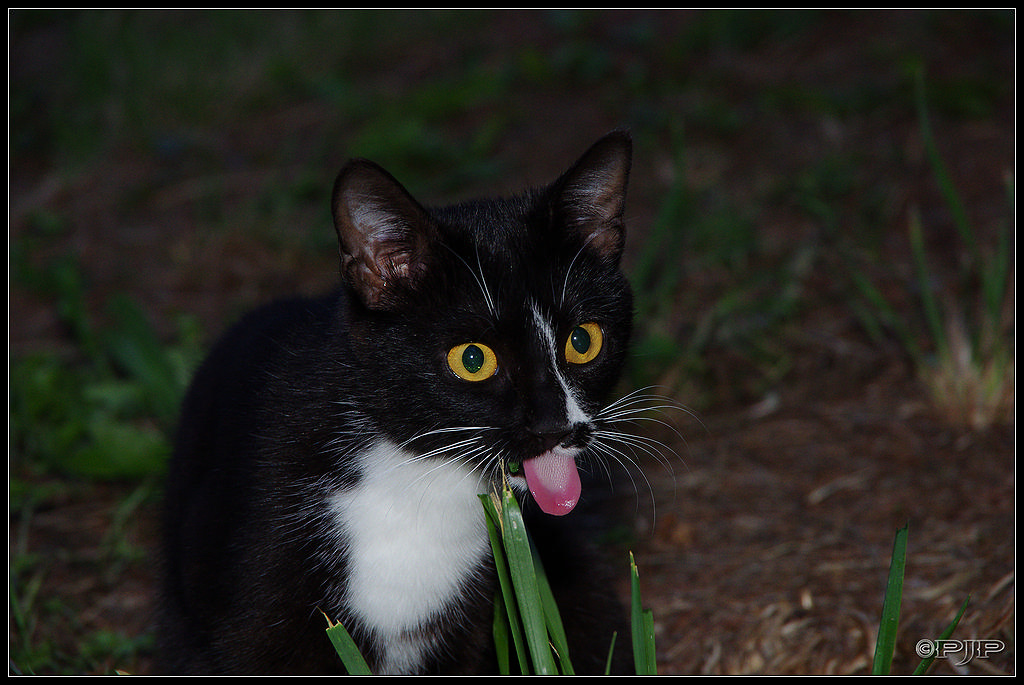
{"x": 283, "y": 400}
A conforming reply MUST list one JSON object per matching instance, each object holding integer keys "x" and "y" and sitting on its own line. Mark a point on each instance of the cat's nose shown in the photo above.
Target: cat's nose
{"x": 542, "y": 441}
{"x": 565, "y": 436}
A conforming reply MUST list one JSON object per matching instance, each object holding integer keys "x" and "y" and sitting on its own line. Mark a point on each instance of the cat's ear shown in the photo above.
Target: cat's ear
{"x": 590, "y": 197}
{"x": 384, "y": 235}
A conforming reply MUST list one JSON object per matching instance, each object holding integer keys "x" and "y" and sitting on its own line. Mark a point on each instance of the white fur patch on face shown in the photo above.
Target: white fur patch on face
{"x": 415, "y": 532}
{"x": 573, "y": 411}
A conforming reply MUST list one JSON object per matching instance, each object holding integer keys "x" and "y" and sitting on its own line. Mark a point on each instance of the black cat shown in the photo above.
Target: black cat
{"x": 331, "y": 451}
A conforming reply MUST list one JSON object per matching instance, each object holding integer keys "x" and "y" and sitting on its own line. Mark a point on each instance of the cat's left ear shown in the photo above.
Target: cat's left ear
{"x": 590, "y": 197}
{"x": 383, "y": 233}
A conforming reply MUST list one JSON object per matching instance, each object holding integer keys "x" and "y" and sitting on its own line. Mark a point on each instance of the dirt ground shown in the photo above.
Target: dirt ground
{"x": 764, "y": 549}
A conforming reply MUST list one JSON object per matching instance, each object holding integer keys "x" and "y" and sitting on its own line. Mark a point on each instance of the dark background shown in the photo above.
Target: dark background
{"x": 169, "y": 170}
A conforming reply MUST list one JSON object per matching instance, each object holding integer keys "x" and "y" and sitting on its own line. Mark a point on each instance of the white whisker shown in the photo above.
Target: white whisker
{"x": 481, "y": 453}
{"x": 649, "y": 446}
{"x": 568, "y": 272}
{"x": 478, "y": 276}
{"x": 623, "y": 459}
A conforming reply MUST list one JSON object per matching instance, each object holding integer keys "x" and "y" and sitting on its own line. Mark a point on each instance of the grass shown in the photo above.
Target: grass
{"x": 967, "y": 366}
{"x": 699, "y": 234}
{"x": 527, "y": 623}
{"x": 528, "y": 634}
{"x": 104, "y": 408}
{"x": 193, "y": 99}
{"x": 99, "y": 410}
{"x": 51, "y": 633}
{"x": 888, "y": 627}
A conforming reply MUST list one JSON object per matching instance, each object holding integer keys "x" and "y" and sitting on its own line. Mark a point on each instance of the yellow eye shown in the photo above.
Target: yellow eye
{"x": 584, "y": 343}
{"x": 473, "y": 361}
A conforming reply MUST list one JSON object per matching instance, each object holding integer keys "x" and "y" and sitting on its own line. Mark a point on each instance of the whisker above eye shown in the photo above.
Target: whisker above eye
{"x": 478, "y": 276}
{"x": 568, "y": 272}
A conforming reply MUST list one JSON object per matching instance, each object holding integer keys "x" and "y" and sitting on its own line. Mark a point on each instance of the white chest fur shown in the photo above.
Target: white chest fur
{"x": 415, "y": 532}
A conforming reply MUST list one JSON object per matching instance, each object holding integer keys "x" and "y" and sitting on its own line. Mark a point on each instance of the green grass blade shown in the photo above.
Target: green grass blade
{"x": 643, "y": 627}
{"x": 524, "y": 580}
{"x": 611, "y": 653}
{"x": 995, "y": 276}
{"x": 552, "y": 617}
{"x": 881, "y": 313}
{"x": 886, "y": 644}
{"x": 508, "y": 608}
{"x": 346, "y": 648}
{"x": 996, "y": 272}
{"x": 133, "y": 344}
{"x": 527, "y": 611}
{"x": 502, "y": 636}
{"x": 926, "y": 663}
{"x": 940, "y": 171}
{"x": 933, "y": 315}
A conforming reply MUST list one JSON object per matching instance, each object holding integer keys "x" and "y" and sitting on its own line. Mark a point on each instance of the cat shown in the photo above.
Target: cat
{"x": 330, "y": 451}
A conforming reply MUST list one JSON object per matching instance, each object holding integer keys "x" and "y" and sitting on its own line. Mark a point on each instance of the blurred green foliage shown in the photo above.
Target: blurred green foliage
{"x": 104, "y": 408}
{"x": 446, "y": 100}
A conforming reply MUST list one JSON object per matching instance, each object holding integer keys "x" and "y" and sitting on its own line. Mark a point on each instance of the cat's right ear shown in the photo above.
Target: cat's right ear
{"x": 591, "y": 195}
{"x": 383, "y": 234}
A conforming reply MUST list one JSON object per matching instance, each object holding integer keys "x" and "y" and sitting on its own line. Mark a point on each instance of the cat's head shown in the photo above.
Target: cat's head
{"x": 490, "y": 332}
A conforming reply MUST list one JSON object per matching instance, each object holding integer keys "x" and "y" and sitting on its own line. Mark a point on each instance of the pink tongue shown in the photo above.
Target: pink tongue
{"x": 554, "y": 482}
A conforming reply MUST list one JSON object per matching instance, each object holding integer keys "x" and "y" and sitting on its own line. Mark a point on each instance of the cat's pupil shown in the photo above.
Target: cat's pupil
{"x": 580, "y": 339}
{"x": 473, "y": 359}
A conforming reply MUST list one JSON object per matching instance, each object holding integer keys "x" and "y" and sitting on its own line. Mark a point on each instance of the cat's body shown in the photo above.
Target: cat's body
{"x": 331, "y": 451}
